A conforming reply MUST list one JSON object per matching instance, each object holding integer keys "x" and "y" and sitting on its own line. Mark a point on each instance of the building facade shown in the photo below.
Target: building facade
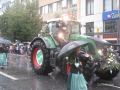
{"x": 4, "y": 3}
{"x": 55, "y": 8}
{"x": 98, "y": 17}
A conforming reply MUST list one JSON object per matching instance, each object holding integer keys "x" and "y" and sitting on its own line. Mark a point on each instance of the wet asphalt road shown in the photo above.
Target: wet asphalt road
{"x": 19, "y": 76}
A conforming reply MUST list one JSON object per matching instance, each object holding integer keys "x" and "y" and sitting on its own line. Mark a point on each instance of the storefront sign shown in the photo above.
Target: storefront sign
{"x": 111, "y": 15}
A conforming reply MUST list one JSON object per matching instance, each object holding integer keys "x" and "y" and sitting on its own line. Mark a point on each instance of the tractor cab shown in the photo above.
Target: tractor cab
{"x": 61, "y": 29}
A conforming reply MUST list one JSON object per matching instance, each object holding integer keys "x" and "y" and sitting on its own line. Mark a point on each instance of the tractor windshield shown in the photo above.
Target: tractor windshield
{"x": 69, "y": 27}
{"x": 72, "y": 27}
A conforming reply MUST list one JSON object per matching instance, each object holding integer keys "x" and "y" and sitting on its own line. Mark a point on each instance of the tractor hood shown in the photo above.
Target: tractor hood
{"x": 95, "y": 45}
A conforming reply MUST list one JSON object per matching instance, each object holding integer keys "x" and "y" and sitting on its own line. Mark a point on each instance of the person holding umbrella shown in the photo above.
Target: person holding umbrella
{"x": 75, "y": 59}
{"x": 76, "y": 80}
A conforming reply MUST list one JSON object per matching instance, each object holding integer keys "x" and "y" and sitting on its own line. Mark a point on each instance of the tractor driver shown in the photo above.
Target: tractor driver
{"x": 61, "y": 35}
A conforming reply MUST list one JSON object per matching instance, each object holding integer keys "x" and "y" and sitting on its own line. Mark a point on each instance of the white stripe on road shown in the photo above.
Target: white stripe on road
{"x": 8, "y": 76}
{"x": 109, "y": 85}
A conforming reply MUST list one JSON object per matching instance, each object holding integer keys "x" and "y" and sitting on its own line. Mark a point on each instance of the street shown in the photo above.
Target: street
{"x": 18, "y": 75}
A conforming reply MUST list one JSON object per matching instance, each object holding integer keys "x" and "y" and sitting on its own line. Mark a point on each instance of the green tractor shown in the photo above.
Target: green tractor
{"x": 55, "y": 34}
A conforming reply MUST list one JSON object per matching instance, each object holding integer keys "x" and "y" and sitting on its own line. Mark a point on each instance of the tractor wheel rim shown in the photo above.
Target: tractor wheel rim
{"x": 38, "y": 57}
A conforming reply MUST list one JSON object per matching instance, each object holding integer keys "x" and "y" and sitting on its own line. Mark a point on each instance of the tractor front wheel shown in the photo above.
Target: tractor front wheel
{"x": 107, "y": 74}
{"x": 40, "y": 58}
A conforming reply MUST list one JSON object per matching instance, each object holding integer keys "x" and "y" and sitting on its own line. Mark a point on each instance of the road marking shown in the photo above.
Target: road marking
{"x": 8, "y": 76}
{"x": 109, "y": 85}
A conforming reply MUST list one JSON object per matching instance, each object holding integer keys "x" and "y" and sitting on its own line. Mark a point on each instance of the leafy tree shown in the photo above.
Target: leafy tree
{"x": 21, "y": 21}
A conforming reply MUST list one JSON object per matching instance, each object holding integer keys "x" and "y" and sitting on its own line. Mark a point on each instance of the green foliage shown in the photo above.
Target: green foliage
{"x": 21, "y": 21}
{"x": 110, "y": 62}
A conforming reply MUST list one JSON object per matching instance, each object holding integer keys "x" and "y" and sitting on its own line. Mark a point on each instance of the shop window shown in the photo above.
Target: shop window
{"x": 46, "y": 9}
{"x": 110, "y": 5}
{"x": 50, "y": 8}
{"x": 110, "y": 26}
{"x": 54, "y": 7}
{"x": 89, "y": 7}
{"x": 90, "y": 28}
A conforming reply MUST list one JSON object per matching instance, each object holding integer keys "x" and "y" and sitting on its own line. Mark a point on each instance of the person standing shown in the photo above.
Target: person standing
{"x": 76, "y": 80}
{"x": 3, "y": 56}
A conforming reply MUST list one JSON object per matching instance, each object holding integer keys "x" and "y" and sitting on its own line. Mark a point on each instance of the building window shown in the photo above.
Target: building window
{"x": 46, "y": 9}
{"x": 59, "y": 5}
{"x": 69, "y": 3}
{"x": 54, "y": 7}
{"x": 110, "y": 5}
{"x": 74, "y": 2}
{"x": 110, "y": 26}
{"x": 22, "y": 1}
{"x": 64, "y": 3}
{"x": 90, "y": 28}
{"x": 42, "y": 10}
{"x": 50, "y": 8}
{"x": 89, "y": 7}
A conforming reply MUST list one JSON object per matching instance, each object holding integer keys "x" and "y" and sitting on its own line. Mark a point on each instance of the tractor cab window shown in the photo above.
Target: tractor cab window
{"x": 69, "y": 26}
{"x": 72, "y": 27}
{"x": 45, "y": 29}
{"x": 75, "y": 27}
{"x": 52, "y": 27}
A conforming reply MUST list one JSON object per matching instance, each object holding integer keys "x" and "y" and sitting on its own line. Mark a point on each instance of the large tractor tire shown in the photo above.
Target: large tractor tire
{"x": 89, "y": 69}
{"x": 106, "y": 74}
{"x": 64, "y": 68}
{"x": 40, "y": 58}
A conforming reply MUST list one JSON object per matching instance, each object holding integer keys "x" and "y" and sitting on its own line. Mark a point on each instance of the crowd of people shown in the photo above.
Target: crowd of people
{"x": 19, "y": 49}
{"x": 16, "y": 48}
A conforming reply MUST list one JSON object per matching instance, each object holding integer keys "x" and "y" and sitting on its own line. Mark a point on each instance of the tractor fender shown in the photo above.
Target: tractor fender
{"x": 40, "y": 38}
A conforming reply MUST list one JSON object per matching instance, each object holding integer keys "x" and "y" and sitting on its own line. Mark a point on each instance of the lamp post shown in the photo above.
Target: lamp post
{"x": 118, "y": 26}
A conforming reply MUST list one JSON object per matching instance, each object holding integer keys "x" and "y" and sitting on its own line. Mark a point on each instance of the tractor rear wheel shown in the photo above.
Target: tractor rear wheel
{"x": 64, "y": 68}
{"x": 40, "y": 58}
{"x": 106, "y": 74}
{"x": 89, "y": 69}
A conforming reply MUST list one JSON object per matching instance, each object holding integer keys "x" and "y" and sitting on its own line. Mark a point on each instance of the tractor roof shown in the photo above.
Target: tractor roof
{"x": 54, "y": 19}
{"x": 59, "y": 19}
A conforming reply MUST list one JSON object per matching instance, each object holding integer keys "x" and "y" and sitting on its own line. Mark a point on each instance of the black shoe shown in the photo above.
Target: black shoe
{"x": 2, "y": 67}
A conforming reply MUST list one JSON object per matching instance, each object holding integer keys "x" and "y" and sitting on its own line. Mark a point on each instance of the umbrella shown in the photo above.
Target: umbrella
{"x": 5, "y": 41}
{"x": 21, "y": 44}
{"x": 26, "y": 42}
{"x": 68, "y": 48}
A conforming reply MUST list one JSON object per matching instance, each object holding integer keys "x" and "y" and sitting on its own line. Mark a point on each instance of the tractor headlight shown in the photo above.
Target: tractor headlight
{"x": 60, "y": 35}
{"x": 65, "y": 17}
{"x": 100, "y": 52}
